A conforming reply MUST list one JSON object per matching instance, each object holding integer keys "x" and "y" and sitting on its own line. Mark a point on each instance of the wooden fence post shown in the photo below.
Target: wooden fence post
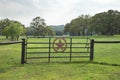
{"x": 92, "y": 50}
{"x": 23, "y": 52}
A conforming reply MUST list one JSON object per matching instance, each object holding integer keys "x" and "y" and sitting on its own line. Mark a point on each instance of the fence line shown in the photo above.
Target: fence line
{"x": 100, "y": 42}
{"x": 106, "y": 41}
{"x": 12, "y": 42}
{"x": 22, "y": 48}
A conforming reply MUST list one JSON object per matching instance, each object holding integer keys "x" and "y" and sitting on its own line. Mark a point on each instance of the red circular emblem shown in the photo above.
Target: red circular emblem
{"x": 59, "y": 45}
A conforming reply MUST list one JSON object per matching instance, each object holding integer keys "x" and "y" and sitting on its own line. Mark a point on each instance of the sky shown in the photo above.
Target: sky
{"x": 55, "y": 12}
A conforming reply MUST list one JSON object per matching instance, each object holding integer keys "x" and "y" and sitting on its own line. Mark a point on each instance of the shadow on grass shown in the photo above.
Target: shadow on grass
{"x": 103, "y": 63}
{"x": 83, "y": 63}
{"x": 58, "y": 62}
{"x": 99, "y": 63}
{"x": 74, "y": 62}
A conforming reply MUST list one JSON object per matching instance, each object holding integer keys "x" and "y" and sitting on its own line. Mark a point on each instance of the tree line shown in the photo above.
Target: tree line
{"x": 13, "y": 29}
{"x": 104, "y": 23}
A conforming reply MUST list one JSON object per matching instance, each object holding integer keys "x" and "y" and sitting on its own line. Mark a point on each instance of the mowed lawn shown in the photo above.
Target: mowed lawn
{"x": 105, "y": 66}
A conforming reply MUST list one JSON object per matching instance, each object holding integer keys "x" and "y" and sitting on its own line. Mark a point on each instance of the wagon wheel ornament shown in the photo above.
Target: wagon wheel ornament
{"x": 59, "y": 45}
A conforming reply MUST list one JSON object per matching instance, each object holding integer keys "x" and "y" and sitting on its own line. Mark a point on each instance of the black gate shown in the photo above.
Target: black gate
{"x": 58, "y": 47}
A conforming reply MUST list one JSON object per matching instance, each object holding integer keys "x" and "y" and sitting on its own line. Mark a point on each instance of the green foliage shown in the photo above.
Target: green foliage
{"x": 49, "y": 31}
{"x": 40, "y": 28}
{"x": 14, "y": 29}
{"x": 66, "y": 28}
{"x": 30, "y": 31}
{"x": 78, "y": 26}
{"x": 106, "y": 23}
{"x": 3, "y": 24}
{"x": 38, "y": 24}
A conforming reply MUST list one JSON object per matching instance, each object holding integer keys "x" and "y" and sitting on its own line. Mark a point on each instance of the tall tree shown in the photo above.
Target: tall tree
{"x": 38, "y": 24}
{"x": 78, "y": 26}
{"x": 106, "y": 23}
{"x": 4, "y": 23}
{"x": 14, "y": 29}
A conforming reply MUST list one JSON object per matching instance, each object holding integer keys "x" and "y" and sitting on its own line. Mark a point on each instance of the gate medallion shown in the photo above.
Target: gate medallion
{"x": 59, "y": 45}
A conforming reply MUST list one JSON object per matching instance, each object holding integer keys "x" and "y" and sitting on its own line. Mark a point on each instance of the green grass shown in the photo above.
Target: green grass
{"x": 106, "y": 64}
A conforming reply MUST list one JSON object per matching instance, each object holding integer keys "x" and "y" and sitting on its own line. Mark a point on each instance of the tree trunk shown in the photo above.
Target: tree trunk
{"x": 17, "y": 37}
{"x": 83, "y": 31}
{"x": 12, "y": 38}
{"x": 78, "y": 33}
{"x": 6, "y": 37}
{"x": 91, "y": 33}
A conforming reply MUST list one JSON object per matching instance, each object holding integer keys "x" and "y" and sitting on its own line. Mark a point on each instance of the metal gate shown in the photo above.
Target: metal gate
{"x": 58, "y": 47}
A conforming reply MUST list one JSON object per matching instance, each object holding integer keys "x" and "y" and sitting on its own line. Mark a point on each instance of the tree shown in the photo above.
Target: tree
{"x": 78, "y": 26}
{"x": 14, "y": 29}
{"x": 4, "y": 23}
{"x": 38, "y": 24}
{"x": 106, "y": 23}
{"x": 85, "y": 23}
{"x": 50, "y": 32}
{"x": 30, "y": 31}
{"x": 67, "y": 28}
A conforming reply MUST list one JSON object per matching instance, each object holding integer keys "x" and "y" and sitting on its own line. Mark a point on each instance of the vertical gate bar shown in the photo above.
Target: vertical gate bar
{"x": 49, "y": 49}
{"x": 87, "y": 45}
{"x": 70, "y": 49}
{"x": 26, "y": 50}
{"x": 91, "y": 50}
{"x": 86, "y": 42}
{"x": 23, "y": 52}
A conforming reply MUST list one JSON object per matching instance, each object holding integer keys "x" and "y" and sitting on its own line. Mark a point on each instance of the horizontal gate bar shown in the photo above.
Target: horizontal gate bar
{"x": 37, "y": 43}
{"x": 78, "y": 43}
{"x": 56, "y": 37}
{"x": 52, "y": 47}
{"x": 59, "y": 57}
{"x": 53, "y": 52}
{"x": 37, "y": 47}
{"x": 51, "y": 43}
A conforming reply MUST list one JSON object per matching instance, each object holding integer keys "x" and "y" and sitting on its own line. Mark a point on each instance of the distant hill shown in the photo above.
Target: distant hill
{"x": 57, "y": 27}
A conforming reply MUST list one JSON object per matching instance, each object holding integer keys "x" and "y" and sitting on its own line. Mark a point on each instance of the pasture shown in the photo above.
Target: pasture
{"x": 105, "y": 66}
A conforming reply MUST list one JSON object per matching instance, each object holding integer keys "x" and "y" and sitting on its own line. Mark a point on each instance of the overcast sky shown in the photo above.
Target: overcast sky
{"x": 55, "y": 12}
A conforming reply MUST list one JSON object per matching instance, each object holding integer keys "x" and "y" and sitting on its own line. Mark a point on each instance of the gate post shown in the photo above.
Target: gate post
{"x": 23, "y": 52}
{"x": 49, "y": 49}
{"x": 70, "y": 48}
{"x": 92, "y": 50}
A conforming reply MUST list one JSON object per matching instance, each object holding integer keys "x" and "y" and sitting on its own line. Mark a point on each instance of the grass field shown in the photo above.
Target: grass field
{"x": 105, "y": 66}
